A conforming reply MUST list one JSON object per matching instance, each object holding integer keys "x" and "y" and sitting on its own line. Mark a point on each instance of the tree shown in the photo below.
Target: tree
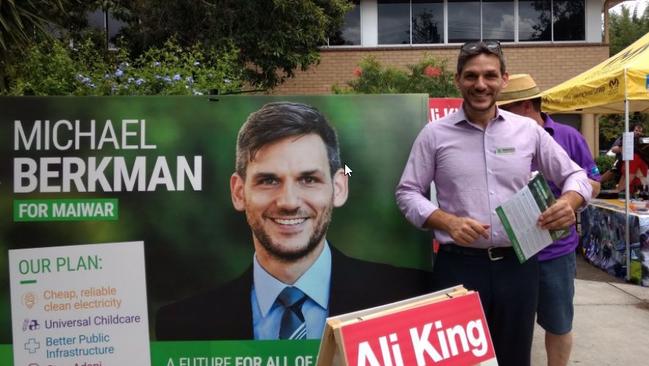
{"x": 273, "y": 37}
{"x": 612, "y": 125}
{"x": 626, "y": 27}
{"x": 21, "y": 22}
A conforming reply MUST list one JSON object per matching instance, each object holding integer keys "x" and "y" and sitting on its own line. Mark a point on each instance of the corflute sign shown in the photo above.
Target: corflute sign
{"x": 451, "y": 332}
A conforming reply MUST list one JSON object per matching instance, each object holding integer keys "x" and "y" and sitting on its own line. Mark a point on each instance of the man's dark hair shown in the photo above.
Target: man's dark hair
{"x": 472, "y": 49}
{"x": 536, "y": 104}
{"x": 278, "y": 120}
{"x": 634, "y": 125}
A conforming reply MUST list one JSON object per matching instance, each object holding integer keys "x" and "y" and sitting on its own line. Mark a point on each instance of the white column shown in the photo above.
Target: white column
{"x": 590, "y": 131}
{"x": 369, "y": 23}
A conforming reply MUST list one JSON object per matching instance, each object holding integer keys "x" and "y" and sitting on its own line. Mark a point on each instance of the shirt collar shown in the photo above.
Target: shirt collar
{"x": 460, "y": 116}
{"x": 314, "y": 282}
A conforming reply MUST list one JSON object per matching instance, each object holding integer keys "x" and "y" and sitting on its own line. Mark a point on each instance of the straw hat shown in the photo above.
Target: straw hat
{"x": 519, "y": 87}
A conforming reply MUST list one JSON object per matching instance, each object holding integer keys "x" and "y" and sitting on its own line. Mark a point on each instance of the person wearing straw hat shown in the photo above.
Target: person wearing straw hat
{"x": 478, "y": 158}
{"x": 557, "y": 261}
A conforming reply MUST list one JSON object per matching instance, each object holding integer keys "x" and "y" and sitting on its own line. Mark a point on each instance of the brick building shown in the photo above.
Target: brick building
{"x": 553, "y": 40}
{"x": 550, "y": 64}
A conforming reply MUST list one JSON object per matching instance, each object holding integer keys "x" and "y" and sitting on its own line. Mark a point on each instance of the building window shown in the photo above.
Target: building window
{"x": 349, "y": 33}
{"x": 427, "y": 21}
{"x": 534, "y": 20}
{"x": 410, "y": 22}
{"x": 569, "y": 20}
{"x": 105, "y": 22}
{"x": 498, "y": 20}
{"x": 463, "y": 20}
{"x": 422, "y": 21}
{"x": 548, "y": 20}
{"x": 394, "y": 21}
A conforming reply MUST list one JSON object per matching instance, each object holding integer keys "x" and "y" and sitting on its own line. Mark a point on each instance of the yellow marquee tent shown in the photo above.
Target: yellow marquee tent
{"x": 605, "y": 87}
{"x": 617, "y": 85}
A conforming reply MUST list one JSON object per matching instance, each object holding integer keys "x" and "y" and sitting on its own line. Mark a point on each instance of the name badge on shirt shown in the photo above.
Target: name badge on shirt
{"x": 505, "y": 150}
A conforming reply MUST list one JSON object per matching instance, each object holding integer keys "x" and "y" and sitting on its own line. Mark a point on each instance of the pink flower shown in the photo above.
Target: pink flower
{"x": 358, "y": 72}
{"x": 432, "y": 72}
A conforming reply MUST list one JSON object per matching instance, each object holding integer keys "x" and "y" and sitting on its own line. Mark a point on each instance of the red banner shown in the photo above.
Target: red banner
{"x": 440, "y": 107}
{"x": 449, "y": 332}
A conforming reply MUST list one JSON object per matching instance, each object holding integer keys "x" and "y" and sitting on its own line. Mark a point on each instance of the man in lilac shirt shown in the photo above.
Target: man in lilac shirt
{"x": 478, "y": 158}
{"x": 556, "y": 262}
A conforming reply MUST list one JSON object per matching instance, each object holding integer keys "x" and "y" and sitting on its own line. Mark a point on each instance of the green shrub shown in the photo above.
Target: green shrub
{"x": 428, "y": 76}
{"x": 604, "y": 163}
{"x": 52, "y": 67}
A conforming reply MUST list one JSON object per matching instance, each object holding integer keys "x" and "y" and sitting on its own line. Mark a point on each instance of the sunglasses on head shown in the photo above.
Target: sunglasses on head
{"x": 473, "y": 46}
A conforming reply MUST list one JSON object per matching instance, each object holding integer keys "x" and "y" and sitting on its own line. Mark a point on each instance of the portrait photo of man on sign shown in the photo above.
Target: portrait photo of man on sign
{"x": 288, "y": 180}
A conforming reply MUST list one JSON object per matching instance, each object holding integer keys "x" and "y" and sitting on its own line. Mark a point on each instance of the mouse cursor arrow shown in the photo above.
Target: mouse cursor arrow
{"x": 348, "y": 171}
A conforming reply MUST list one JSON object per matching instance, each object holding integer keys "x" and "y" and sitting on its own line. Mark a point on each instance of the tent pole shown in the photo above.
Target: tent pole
{"x": 627, "y": 183}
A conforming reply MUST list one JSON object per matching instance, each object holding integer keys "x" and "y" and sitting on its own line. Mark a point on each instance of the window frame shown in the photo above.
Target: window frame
{"x": 363, "y": 4}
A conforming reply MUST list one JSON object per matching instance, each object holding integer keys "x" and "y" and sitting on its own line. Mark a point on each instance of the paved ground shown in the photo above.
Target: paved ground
{"x": 611, "y": 325}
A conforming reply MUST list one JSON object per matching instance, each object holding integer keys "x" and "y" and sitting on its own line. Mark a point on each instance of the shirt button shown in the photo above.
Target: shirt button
{"x": 491, "y": 192}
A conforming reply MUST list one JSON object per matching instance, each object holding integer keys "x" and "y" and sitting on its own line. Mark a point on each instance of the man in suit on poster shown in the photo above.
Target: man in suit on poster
{"x": 288, "y": 179}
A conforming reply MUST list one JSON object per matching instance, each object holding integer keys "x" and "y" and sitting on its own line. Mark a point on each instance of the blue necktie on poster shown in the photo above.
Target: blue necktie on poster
{"x": 292, "y": 325}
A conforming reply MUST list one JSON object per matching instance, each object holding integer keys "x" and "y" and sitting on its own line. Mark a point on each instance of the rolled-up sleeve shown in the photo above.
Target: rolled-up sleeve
{"x": 414, "y": 187}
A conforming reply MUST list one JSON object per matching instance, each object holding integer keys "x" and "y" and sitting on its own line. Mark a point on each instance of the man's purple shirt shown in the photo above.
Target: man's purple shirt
{"x": 577, "y": 148}
{"x": 475, "y": 170}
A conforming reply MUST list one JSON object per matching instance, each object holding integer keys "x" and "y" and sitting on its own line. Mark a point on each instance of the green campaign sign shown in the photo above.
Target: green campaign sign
{"x": 163, "y": 171}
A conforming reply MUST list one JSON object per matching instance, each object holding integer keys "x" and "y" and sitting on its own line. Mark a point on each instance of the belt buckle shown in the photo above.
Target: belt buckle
{"x": 492, "y": 256}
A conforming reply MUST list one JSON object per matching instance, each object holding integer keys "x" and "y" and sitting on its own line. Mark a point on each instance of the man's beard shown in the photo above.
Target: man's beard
{"x": 292, "y": 255}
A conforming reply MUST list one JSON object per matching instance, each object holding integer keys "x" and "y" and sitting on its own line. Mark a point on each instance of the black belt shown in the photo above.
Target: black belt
{"x": 492, "y": 253}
